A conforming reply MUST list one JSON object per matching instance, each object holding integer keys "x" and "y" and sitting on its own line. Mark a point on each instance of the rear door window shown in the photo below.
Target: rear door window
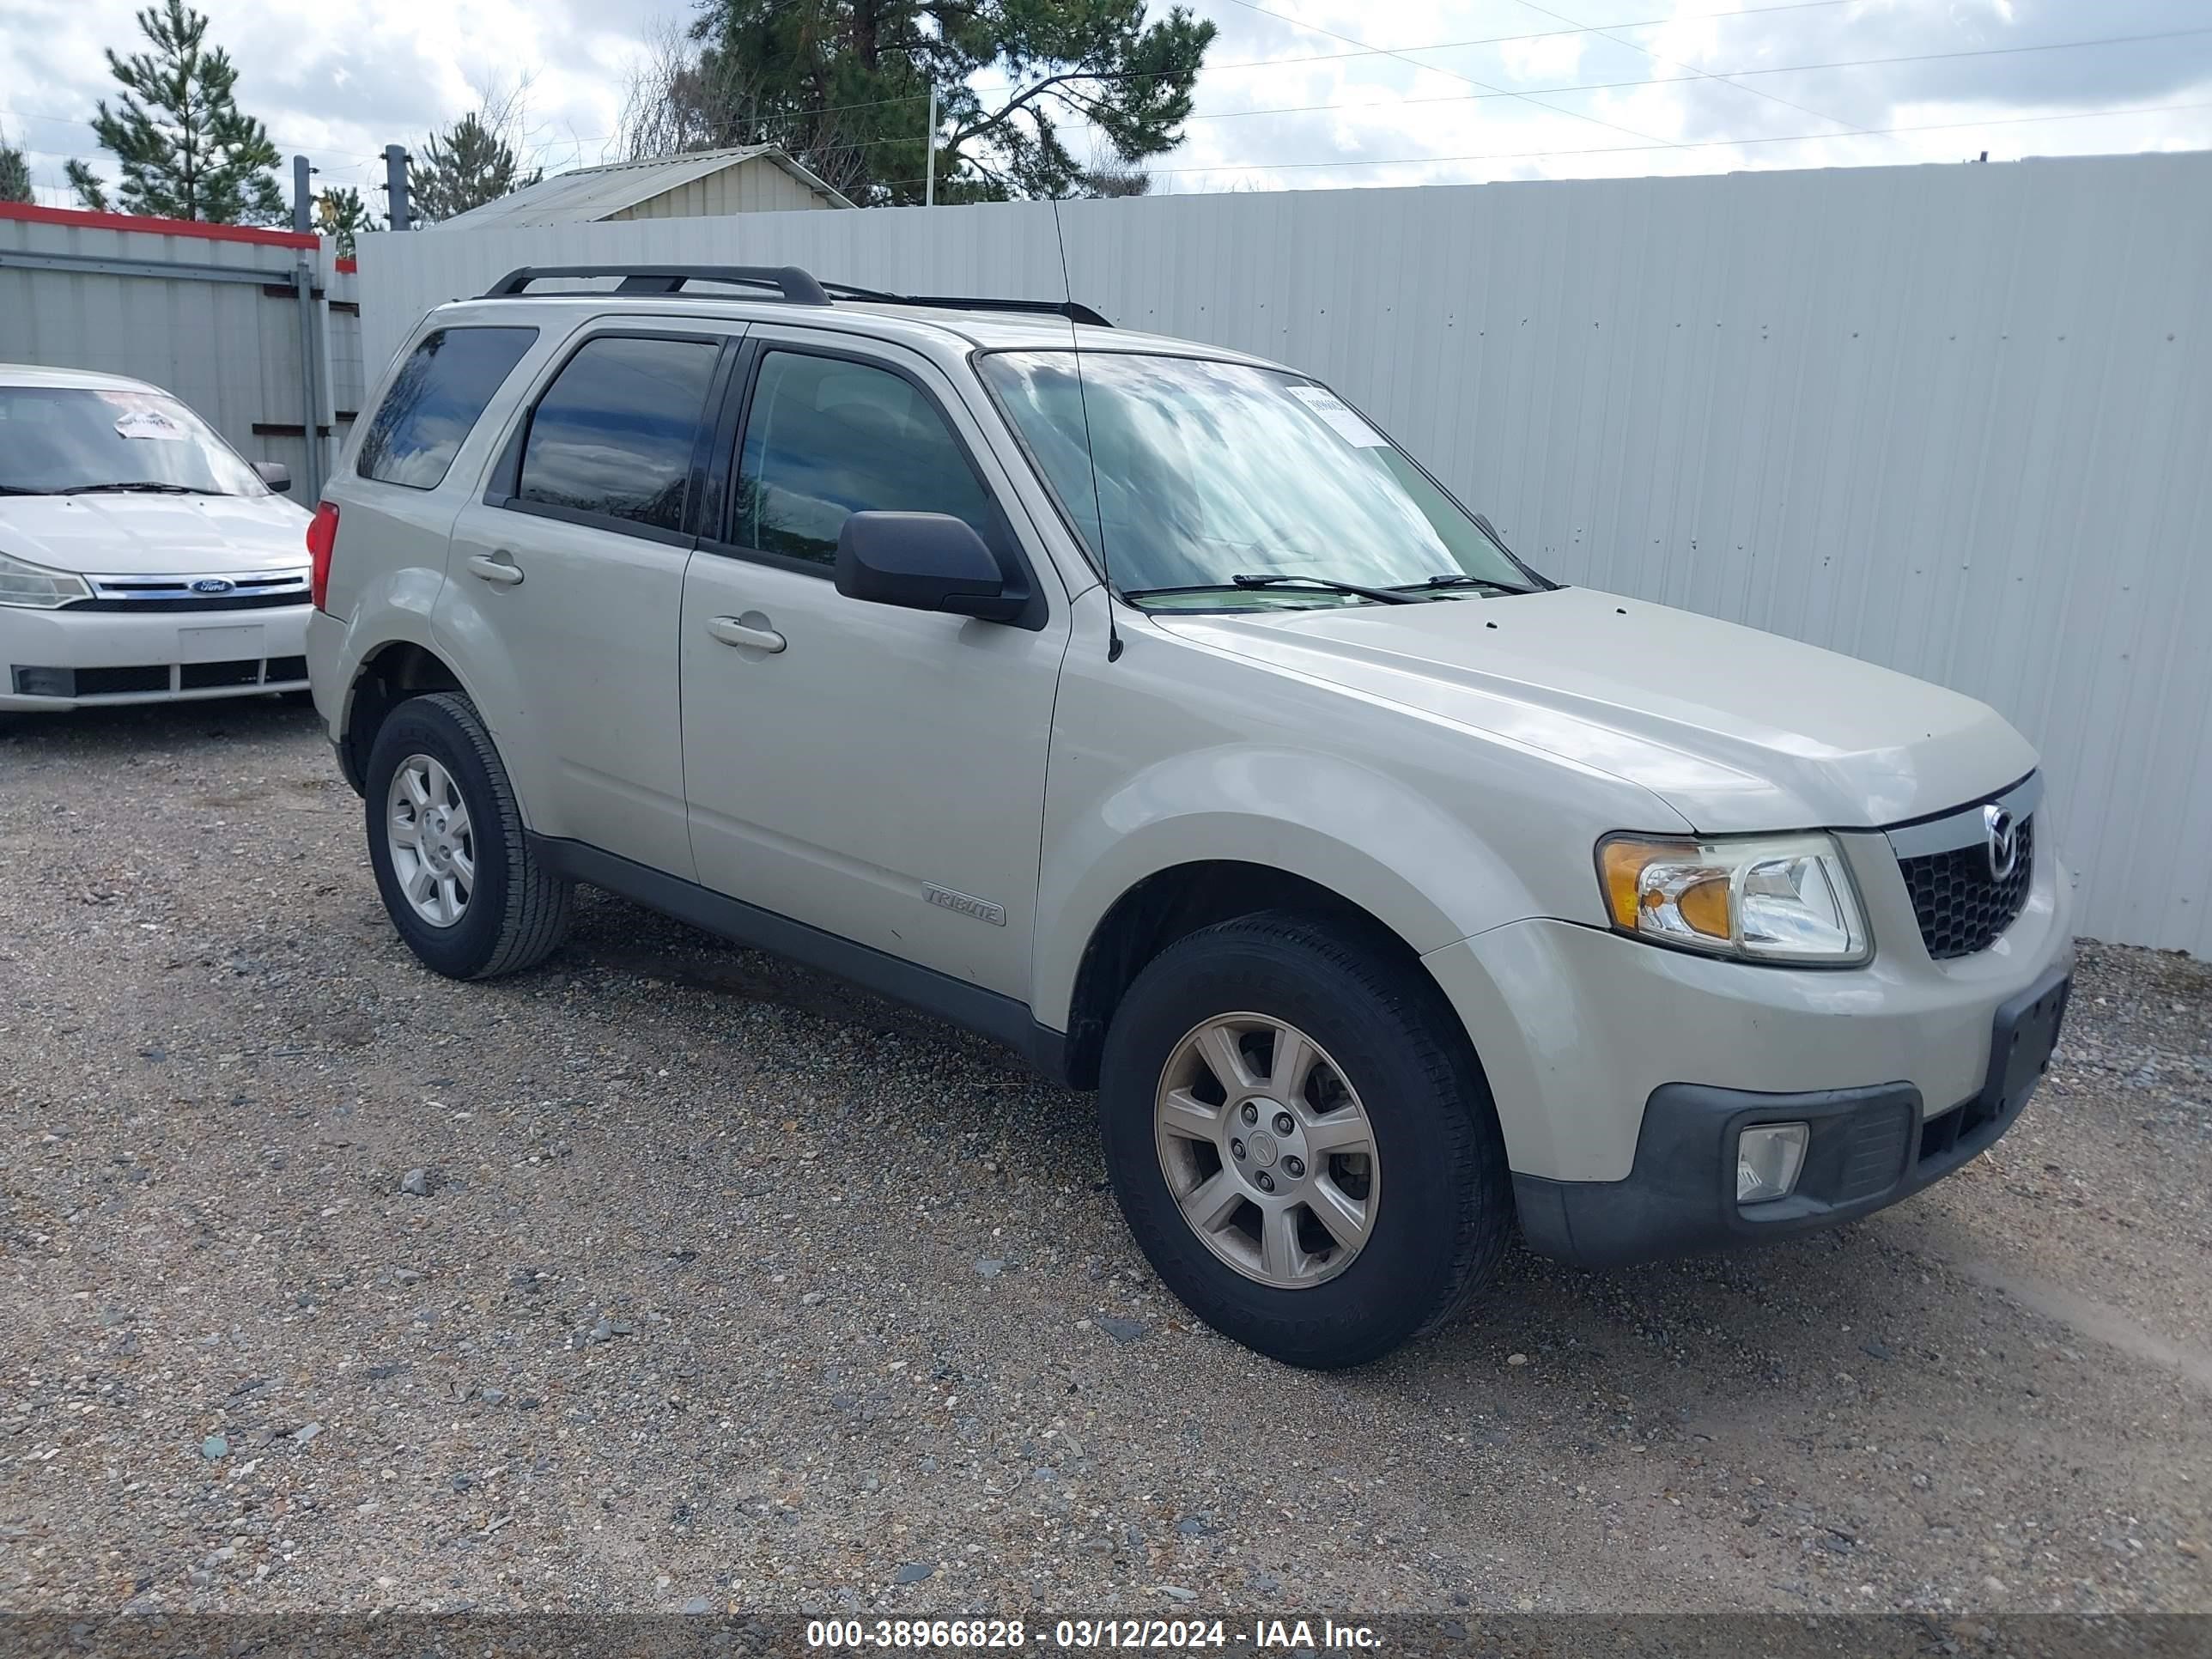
{"x": 827, "y": 438}
{"x": 615, "y": 436}
{"x": 435, "y": 402}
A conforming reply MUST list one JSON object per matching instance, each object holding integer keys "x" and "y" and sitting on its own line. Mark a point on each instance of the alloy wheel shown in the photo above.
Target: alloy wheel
{"x": 433, "y": 844}
{"x": 1267, "y": 1150}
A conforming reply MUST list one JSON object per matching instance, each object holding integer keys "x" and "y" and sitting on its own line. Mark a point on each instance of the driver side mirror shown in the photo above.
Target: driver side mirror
{"x": 276, "y": 475}
{"x": 923, "y": 562}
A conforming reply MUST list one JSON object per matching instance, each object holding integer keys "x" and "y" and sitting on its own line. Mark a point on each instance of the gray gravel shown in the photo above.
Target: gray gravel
{"x": 669, "y": 1277}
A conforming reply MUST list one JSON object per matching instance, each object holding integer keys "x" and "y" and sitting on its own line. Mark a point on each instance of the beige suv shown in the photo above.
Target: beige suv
{"x": 1140, "y": 704}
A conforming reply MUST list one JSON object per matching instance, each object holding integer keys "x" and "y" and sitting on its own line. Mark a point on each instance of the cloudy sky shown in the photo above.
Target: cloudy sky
{"x": 1298, "y": 94}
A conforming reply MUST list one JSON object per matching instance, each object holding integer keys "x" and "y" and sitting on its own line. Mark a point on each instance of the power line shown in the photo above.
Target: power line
{"x": 1614, "y": 86}
{"x": 1708, "y": 143}
{"x": 78, "y": 121}
{"x": 1456, "y": 46}
{"x": 1254, "y": 5}
{"x": 1309, "y": 58}
{"x": 1756, "y": 92}
{"x": 1680, "y": 80}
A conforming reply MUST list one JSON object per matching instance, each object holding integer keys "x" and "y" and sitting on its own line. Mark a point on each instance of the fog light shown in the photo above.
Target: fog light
{"x": 1768, "y": 1160}
{"x": 45, "y": 682}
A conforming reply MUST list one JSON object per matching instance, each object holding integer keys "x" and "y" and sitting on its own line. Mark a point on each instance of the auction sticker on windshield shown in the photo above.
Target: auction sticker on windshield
{"x": 147, "y": 424}
{"x": 1340, "y": 415}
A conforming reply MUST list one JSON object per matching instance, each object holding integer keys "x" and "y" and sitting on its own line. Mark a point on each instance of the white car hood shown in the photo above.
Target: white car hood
{"x": 1735, "y": 729}
{"x": 155, "y": 535}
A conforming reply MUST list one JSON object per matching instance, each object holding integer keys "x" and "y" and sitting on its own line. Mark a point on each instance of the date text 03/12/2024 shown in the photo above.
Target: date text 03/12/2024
{"x": 1263, "y": 1635}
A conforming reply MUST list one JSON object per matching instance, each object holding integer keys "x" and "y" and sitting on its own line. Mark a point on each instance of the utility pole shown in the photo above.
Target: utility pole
{"x": 395, "y": 186}
{"x": 310, "y": 334}
{"x": 929, "y": 179}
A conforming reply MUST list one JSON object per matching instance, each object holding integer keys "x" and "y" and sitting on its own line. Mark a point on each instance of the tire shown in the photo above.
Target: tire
{"x": 1438, "y": 1195}
{"x": 515, "y": 914}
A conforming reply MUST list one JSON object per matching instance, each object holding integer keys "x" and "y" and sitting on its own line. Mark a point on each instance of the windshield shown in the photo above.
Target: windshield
{"x": 1210, "y": 471}
{"x": 59, "y": 439}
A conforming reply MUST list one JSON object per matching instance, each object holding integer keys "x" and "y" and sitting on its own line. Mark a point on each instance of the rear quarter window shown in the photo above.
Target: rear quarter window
{"x": 435, "y": 401}
{"x": 613, "y": 435}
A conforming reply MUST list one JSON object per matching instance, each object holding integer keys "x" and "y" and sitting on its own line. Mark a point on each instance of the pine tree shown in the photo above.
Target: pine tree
{"x": 341, "y": 215}
{"x": 90, "y": 192}
{"x": 468, "y": 164}
{"x": 15, "y": 174}
{"x": 842, "y": 85}
{"x": 185, "y": 148}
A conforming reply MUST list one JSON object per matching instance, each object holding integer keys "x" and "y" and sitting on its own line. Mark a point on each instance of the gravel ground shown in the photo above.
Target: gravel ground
{"x": 669, "y": 1277}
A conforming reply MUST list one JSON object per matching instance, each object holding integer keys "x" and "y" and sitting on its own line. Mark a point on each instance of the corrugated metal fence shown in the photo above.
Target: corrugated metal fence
{"x": 207, "y": 311}
{"x": 1953, "y": 419}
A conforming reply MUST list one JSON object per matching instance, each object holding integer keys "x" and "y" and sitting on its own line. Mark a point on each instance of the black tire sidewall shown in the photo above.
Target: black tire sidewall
{"x": 423, "y": 726}
{"x": 1405, "y": 1273}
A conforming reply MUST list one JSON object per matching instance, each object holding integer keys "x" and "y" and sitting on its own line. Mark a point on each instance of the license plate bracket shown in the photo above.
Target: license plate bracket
{"x": 235, "y": 643}
{"x": 2021, "y": 1041}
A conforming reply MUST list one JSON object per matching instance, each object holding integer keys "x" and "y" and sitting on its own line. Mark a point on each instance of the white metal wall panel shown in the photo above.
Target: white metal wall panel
{"x": 1953, "y": 419}
{"x": 229, "y": 349}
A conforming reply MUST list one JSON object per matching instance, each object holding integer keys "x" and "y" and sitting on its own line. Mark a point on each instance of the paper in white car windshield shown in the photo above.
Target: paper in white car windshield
{"x": 147, "y": 424}
{"x": 1339, "y": 414}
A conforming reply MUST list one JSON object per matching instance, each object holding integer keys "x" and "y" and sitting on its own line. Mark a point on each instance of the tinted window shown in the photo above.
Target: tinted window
{"x": 434, "y": 400}
{"x": 614, "y": 433}
{"x": 827, "y": 438}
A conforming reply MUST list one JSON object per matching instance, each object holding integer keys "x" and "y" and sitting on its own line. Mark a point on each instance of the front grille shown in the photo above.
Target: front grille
{"x": 1940, "y": 1136}
{"x": 242, "y": 673}
{"x": 142, "y": 596}
{"x": 1961, "y": 906}
{"x": 217, "y": 602}
{"x": 1872, "y": 1154}
{"x": 206, "y": 676}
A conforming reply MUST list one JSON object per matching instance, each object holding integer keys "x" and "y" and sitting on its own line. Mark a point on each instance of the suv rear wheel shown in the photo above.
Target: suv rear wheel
{"x": 446, "y": 840}
{"x": 1302, "y": 1141}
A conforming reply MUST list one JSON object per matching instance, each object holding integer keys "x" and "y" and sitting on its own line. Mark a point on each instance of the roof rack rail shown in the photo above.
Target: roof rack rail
{"x": 791, "y": 283}
{"x": 1074, "y": 310}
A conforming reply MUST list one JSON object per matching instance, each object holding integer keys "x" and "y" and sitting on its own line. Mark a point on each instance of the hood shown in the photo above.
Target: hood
{"x": 154, "y": 535}
{"x": 1735, "y": 729}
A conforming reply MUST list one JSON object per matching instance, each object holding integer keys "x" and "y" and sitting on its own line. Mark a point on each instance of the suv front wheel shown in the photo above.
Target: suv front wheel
{"x": 446, "y": 840}
{"x": 1301, "y": 1140}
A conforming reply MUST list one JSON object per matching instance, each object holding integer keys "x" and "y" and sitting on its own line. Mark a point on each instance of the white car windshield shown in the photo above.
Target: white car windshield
{"x": 1222, "y": 483}
{"x": 74, "y": 441}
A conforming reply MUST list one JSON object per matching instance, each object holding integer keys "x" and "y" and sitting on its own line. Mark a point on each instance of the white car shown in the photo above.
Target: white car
{"x": 1140, "y": 704}
{"x": 142, "y": 559}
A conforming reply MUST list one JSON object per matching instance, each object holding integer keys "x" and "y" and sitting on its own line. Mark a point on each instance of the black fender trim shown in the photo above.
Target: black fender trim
{"x": 1002, "y": 1018}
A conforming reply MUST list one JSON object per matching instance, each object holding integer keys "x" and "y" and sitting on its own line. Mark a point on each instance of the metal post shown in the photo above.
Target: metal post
{"x": 303, "y": 282}
{"x": 929, "y": 179}
{"x": 395, "y": 186}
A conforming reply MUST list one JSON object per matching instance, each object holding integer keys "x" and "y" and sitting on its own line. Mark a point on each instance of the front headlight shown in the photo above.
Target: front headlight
{"x": 1769, "y": 898}
{"x": 40, "y": 589}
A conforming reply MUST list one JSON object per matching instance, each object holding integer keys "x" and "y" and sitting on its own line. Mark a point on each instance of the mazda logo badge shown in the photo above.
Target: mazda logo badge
{"x": 2003, "y": 842}
{"x": 213, "y": 585}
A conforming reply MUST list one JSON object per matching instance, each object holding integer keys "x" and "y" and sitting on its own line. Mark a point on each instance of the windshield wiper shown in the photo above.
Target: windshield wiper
{"x": 1243, "y": 584}
{"x": 141, "y": 486}
{"x": 1458, "y": 580}
{"x": 1381, "y": 595}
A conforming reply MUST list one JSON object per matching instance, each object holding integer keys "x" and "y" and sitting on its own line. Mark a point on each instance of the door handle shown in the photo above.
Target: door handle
{"x": 732, "y": 631}
{"x": 494, "y": 569}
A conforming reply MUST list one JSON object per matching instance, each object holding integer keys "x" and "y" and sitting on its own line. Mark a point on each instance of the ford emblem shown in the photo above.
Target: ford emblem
{"x": 213, "y": 585}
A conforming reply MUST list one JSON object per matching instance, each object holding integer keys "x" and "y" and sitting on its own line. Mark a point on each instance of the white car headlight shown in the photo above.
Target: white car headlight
{"x": 37, "y": 588}
{"x": 1766, "y": 898}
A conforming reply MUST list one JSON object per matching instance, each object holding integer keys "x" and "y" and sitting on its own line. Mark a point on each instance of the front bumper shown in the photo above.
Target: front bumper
{"x": 55, "y": 661}
{"x": 1867, "y": 1148}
